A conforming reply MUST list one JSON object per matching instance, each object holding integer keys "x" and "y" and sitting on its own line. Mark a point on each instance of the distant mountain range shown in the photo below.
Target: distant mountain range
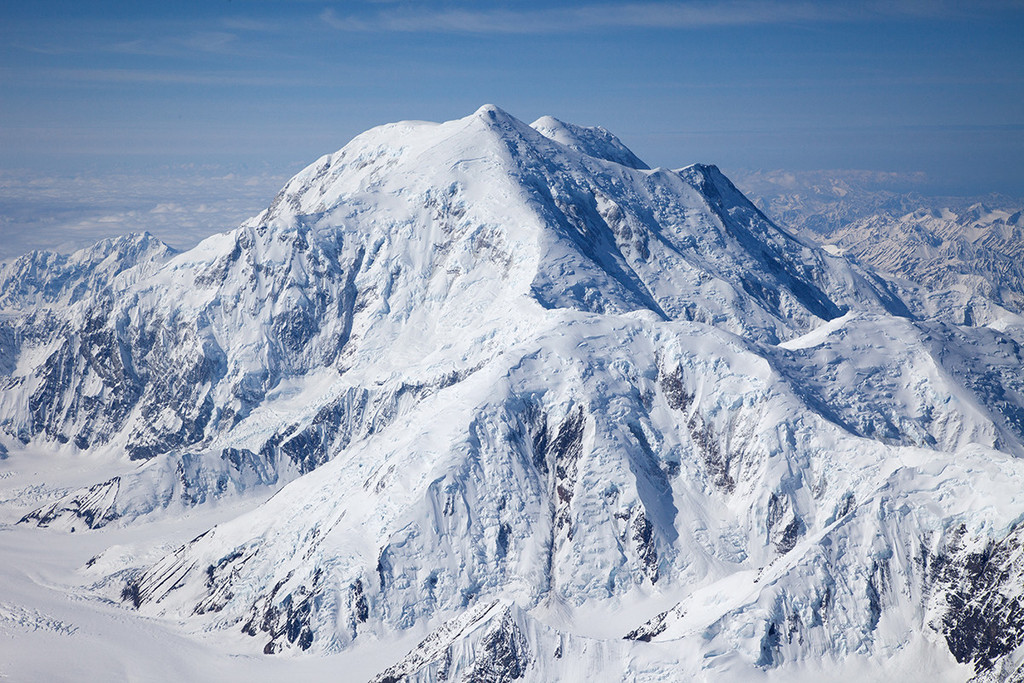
{"x": 972, "y": 244}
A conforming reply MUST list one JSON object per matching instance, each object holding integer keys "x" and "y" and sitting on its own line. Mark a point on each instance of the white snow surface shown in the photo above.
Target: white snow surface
{"x": 504, "y": 390}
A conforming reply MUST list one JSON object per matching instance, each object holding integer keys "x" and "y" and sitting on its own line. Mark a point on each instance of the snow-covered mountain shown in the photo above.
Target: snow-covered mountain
{"x": 556, "y": 414}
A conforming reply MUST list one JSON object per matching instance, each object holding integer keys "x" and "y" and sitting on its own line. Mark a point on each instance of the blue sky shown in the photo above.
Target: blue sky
{"x": 262, "y": 87}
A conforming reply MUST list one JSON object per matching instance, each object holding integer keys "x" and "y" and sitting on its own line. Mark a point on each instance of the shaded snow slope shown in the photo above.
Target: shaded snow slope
{"x": 544, "y": 411}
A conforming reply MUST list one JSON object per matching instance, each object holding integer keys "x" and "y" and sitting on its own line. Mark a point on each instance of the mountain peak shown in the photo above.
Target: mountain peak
{"x": 491, "y": 111}
{"x": 612, "y": 236}
{"x": 594, "y": 141}
{"x": 46, "y": 276}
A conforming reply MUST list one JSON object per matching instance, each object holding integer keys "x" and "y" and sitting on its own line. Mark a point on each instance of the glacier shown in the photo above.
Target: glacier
{"x": 488, "y": 401}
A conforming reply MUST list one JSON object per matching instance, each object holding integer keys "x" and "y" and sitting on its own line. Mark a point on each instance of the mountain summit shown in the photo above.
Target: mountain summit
{"x": 552, "y": 412}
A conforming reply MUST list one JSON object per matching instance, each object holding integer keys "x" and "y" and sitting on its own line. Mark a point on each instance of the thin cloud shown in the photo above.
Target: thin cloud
{"x": 49, "y": 50}
{"x": 180, "y": 205}
{"x": 170, "y": 77}
{"x": 248, "y": 24}
{"x": 561, "y": 20}
{"x": 213, "y": 42}
{"x": 634, "y": 15}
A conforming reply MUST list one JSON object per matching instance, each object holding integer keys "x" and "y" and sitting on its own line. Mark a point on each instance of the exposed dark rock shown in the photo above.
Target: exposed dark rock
{"x": 983, "y": 619}
{"x": 562, "y": 455}
{"x": 675, "y": 391}
{"x": 167, "y": 575}
{"x": 358, "y": 601}
{"x": 643, "y": 537}
{"x": 287, "y": 620}
{"x": 878, "y": 585}
{"x": 219, "y": 580}
{"x": 783, "y": 526}
{"x": 771, "y": 642}
{"x": 652, "y": 628}
{"x": 674, "y": 388}
{"x": 788, "y": 537}
{"x": 503, "y": 654}
{"x": 93, "y": 505}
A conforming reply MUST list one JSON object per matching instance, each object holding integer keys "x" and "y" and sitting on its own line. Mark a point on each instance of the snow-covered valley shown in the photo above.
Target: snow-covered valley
{"x": 490, "y": 401}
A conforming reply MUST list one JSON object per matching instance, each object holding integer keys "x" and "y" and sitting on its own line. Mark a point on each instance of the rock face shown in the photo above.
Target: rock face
{"x": 501, "y": 651}
{"x": 521, "y": 393}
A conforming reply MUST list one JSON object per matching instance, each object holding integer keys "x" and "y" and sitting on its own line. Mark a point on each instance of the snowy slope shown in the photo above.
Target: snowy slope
{"x": 553, "y": 413}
